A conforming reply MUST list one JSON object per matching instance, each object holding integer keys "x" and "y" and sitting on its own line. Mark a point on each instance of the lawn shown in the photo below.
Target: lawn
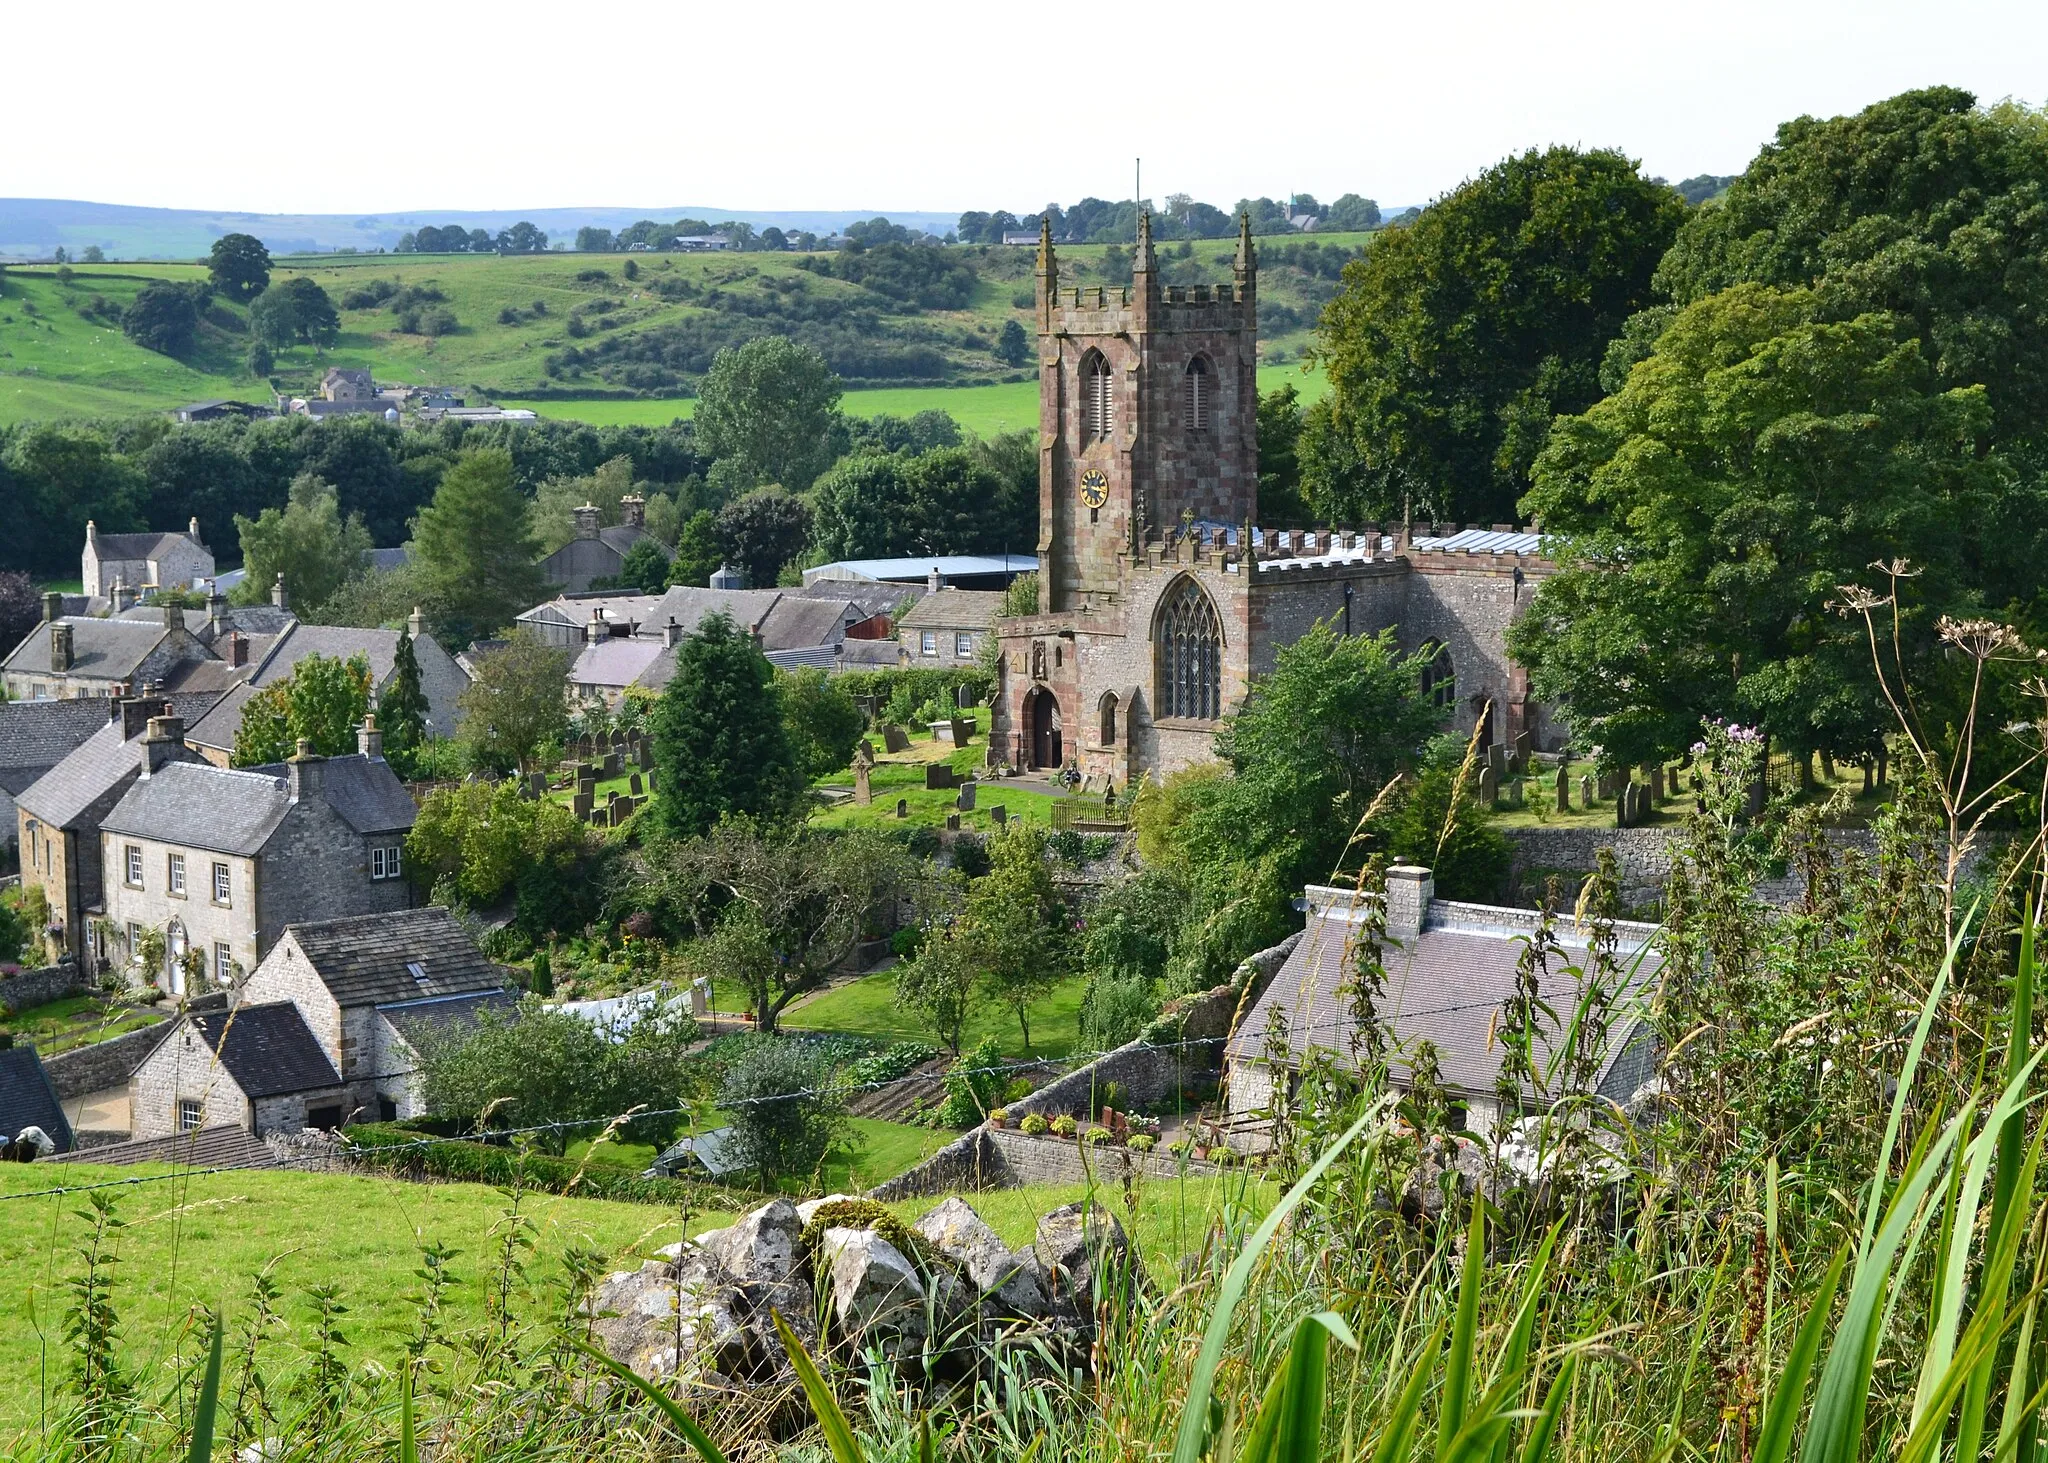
{"x": 198, "y": 1239}
{"x": 75, "y": 1021}
{"x": 867, "y": 1007}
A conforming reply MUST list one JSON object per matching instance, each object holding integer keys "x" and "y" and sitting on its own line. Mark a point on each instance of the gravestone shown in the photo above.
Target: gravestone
{"x": 1607, "y": 786}
{"x": 1656, "y": 783}
{"x": 895, "y": 739}
{"x": 964, "y": 697}
{"x": 870, "y": 707}
{"x": 644, "y": 754}
{"x": 1585, "y": 792}
{"x": 579, "y": 806}
{"x": 633, "y": 784}
{"x": 965, "y": 802}
{"x": 1525, "y": 745}
{"x": 903, "y": 807}
{"x": 1497, "y": 763}
{"x": 1515, "y": 765}
{"x": 952, "y": 822}
{"x": 962, "y": 732}
{"x": 1489, "y": 787}
{"x": 1564, "y": 789}
{"x": 585, "y": 788}
{"x": 939, "y": 777}
{"x": 864, "y": 750}
{"x": 614, "y": 764}
{"x": 998, "y": 815}
{"x": 650, "y": 779}
{"x": 863, "y": 794}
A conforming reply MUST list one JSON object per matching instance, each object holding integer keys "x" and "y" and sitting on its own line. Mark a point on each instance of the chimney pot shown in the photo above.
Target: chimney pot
{"x": 415, "y": 623}
{"x": 303, "y": 772}
{"x": 192, "y": 531}
{"x": 586, "y": 521}
{"x": 92, "y": 531}
{"x": 932, "y": 582}
{"x": 672, "y": 633}
{"x": 277, "y": 594}
{"x": 633, "y": 511}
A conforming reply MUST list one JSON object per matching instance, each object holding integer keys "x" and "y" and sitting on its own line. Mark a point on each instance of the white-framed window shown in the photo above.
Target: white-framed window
{"x": 175, "y": 874}
{"x": 134, "y": 939}
{"x": 963, "y": 644}
{"x": 928, "y": 643}
{"x": 191, "y": 1113}
{"x": 385, "y": 862}
{"x": 132, "y": 872}
{"x": 223, "y": 963}
{"x": 222, "y": 888}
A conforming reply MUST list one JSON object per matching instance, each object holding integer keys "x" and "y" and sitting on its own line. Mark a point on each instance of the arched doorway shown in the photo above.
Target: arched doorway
{"x": 1045, "y": 730}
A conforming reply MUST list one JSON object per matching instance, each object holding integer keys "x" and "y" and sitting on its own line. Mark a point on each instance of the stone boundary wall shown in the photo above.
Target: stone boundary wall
{"x": 104, "y": 1064}
{"x": 969, "y": 1163}
{"x": 1644, "y": 855}
{"x": 1031, "y": 1160}
{"x": 40, "y": 987}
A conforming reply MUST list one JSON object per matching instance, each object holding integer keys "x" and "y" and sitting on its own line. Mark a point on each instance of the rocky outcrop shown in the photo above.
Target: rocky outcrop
{"x": 701, "y": 1312}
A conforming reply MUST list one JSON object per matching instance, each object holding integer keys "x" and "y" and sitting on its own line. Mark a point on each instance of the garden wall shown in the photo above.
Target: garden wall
{"x": 40, "y": 987}
{"x": 104, "y": 1064}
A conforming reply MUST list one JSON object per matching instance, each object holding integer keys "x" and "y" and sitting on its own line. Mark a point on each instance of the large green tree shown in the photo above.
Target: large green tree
{"x": 770, "y": 406}
{"x": 162, "y": 318}
{"x": 322, "y": 701}
{"x": 296, "y": 311}
{"x": 402, "y": 709}
{"x": 1013, "y": 928}
{"x": 720, "y": 743}
{"x": 516, "y": 704}
{"x": 699, "y": 551}
{"x": 308, "y": 542}
{"x": 762, "y": 532}
{"x": 824, "y": 725}
{"x": 1455, "y": 340}
{"x": 239, "y": 266}
{"x": 475, "y": 552}
{"x": 1708, "y": 514}
{"x": 948, "y": 500}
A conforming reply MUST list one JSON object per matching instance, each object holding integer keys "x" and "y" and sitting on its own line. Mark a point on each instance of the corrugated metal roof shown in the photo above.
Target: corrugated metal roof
{"x": 917, "y": 568}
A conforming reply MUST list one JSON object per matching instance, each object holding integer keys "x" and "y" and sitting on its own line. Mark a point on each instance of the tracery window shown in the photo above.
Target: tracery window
{"x": 1097, "y": 398}
{"x": 1439, "y": 681}
{"x": 1190, "y": 641}
{"x": 1196, "y": 389}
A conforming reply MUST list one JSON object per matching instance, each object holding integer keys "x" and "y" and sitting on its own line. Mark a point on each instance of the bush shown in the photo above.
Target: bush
{"x": 897, "y": 1061}
{"x": 1033, "y": 1124}
{"x": 783, "y": 1113}
{"x": 1115, "y": 1010}
{"x": 1097, "y": 1135}
{"x": 390, "y": 1147}
{"x": 999, "y": 1115}
{"x": 1141, "y": 1143}
{"x": 1065, "y": 1125}
{"x": 974, "y": 1084}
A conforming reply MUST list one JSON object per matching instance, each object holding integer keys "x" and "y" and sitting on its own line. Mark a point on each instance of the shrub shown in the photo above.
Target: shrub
{"x": 1033, "y": 1124}
{"x": 1065, "y": 1125}
{"x": 385, "y": 1146}
{"x": 1141, "y": 1143}
{"x": 1097, "y": 1135}
{"x": 973, "y": 1085}
{"x": 898, "y": 1060}
{"x": 999, "y": 1115}
{"x": 783, "y": 1115}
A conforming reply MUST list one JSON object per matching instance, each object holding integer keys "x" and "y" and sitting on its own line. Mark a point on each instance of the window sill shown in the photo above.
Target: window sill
{"x": 1185, "y": 723}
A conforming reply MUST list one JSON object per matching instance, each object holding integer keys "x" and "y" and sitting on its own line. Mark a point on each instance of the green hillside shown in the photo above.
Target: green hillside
{"x": 568, "y": 328}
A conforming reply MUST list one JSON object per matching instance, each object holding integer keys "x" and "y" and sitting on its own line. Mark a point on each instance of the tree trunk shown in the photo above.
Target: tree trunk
{"x": 1025, "y": 1022}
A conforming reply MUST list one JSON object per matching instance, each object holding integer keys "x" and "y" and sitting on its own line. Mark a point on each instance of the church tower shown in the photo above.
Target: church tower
{"x": 1148, "y": 417}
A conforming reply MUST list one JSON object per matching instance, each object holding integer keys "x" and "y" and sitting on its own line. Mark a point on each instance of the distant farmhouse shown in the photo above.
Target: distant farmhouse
{"x": 949, "y": 626}
{"x": 702, "y": 243}
{"x": 600, "y": 553}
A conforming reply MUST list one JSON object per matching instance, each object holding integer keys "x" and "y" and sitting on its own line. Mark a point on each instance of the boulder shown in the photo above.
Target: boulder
{"x": 876, "y": 1293}
{"x": 657, "y": 1318}
{"x": 761, "y": 1247}
{"x": 1014, "y": 1281}
{"x": 808, "y": 1210}
{"x": 1079, "y": 1247}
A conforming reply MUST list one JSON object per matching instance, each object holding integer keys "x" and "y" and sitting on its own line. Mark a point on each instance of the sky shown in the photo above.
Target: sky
{"x": 934, "y": 106}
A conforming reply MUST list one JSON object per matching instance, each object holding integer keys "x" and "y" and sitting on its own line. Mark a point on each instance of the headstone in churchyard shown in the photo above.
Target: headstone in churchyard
{"x": 870, "y": 706}
{"x": 998, "y": 815}
{"x": 939, "y": 776}
{"x": 963, "y": 697}
{"x": 965, "y": 801}
{"x": 614, "y": 764}
{"x": 1489, "y": 787}
{"x": 1608, "y": 786}
{"x": 633, "y": 784}
{"x": 580, "y": 806}
{"x": 952, "y": 822}
{"x": 1525, "y": 745}
{"x": 1656, "y": 783}
{"x": 864, "y": 750}
{"x": 644, "y": 754}
{"x": 1564, "y": 789}
{"x": 650, "y": 779}
{"x": 963, "y": 731}
{"x": 895, "y": 738}
{"x": 1624, "y": 802}
{"x": 1497, "y": 763}
{"x": 1585, "y": 792}
{"x": 586, "y": 787}
{"x": 1515, "y": 766}
{"x": 903, "y": 807}
{"x": 863, "y": 794}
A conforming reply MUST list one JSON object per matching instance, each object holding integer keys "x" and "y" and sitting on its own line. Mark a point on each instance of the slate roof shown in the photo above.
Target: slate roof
{"x": 438, "y": 1018}
{"x": 869, "y": 654}
{"x": 336, "y": 642}
{"x": 134, "y": 545}
{"x": 27, "y": 1100}
{"x": 217, "y": 727}
{"x": 61, "y": 796}
{"x": 363, "y": 959}
{"x": 221, "y": 1147}
{"x": 800, "y": 622}
{"x": 236, "y": 810}
{"x": 267, "y": 1049}
{"x": 108, "y": 650}
{"x": 621, "y": 537}
{"x": 916, "y": 568}
{"x": 1447, "y": 987}
{"x": 383, "y": 561}
{"x": 36, "y": 735}
{"x": 616, "y": 662}
{"x": 954, "y": 609}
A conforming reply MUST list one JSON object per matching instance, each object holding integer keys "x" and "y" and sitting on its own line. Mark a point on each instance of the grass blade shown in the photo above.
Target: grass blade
{"x": 1192, "y": 1440}
{"x": 1300, "y": 1436}
{"x": 208, "y": 1409}
{"x": 1907, "y": 1072}
{"x": 408, "y": 1431}
{"x": 1774, "y": 1438}
{"x": 1398, "y": 1437}
{"x": 694, "y": 1435}
{"x": 1537, "y": 1448}
{"x": 1458, "y": 1356}
{"x": 831, "y": 1420}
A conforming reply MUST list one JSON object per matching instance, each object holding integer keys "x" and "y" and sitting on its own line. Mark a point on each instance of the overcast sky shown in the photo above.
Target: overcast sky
{"x": 906, "y": 104}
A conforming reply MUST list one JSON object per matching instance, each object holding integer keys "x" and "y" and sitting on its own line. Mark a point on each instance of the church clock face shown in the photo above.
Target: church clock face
{"x": 1094, "y": 487}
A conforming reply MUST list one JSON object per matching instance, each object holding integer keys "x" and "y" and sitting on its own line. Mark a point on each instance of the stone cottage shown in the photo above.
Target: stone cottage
{"x": 374, "y": 989}
{"x": 143, "y": 561}
{"x": 600, "y": 553}
{"x": 34, "y": 737}
{"x": 221, "y": 861}
{"x": 57, "y": 817}
{"x": 948, "y": 627}
{"x": 68, "y": 656}
{"x": 1449, "y": 967}
{"x": 255, "y": 1067}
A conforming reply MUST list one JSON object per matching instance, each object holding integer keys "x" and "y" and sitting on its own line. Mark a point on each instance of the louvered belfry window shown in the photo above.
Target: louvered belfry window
{"x": 1190, "y": 641}
{"x": 1097, "y": 394}
{"x": 1197, "y": 390}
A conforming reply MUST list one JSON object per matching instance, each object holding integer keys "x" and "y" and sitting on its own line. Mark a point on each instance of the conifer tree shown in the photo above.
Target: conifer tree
{"x": 402, "y": 709}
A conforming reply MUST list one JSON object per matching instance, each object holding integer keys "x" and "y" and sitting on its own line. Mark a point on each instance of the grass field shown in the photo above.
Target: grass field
{"x": 62, "y": 353}
{"x": 198, "y": 1239}
{"x": 867, "y": 1007}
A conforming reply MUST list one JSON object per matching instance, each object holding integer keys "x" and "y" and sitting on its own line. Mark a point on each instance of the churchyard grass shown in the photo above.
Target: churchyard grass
{"x": 867, "y": 1006}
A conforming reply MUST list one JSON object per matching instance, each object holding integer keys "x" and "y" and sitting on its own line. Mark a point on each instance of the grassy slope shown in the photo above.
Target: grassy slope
{"x": 54, "y": 362}
{"x": 867, "y": 1007}
{"x": 197, "y": 1240}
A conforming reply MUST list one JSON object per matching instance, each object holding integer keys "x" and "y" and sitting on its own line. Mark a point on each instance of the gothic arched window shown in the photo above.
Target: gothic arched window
{"x": 1196, "y": 389}
{"x": 1190, "y": 641}
{"x": 1439, "y": 682}
{"x": 1097, "y": 398}
{"x": 1108, "y": 710}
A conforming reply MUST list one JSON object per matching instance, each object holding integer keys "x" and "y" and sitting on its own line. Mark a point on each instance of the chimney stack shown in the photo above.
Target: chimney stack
{"x": 633, "y": 511}
{"x": 121, "y": 595}
{"x": 237, "y": 649}
{"x": 277, "y": 594}
{"x": 932, "y": 583}
{"x": 415, "y": 623}
{"x": 53, "y": 606}
{"x": 302, "y": 773}
{"x": 1409, "y": 892}
{"x": 369, "y": 740}
{"x": 135, "y": 712}
{"x": 192, "y": 531}
{"x": 162, "y": 743}
{"x": 92, "y": 532}
{"x": 216, "y": 612}
{"x": 60, "y": 647}
{"x": 174, "y": 618}
{"x": 586, "y": 521}
{"x": 671, "y": 633}
{"x": 595, "y": 631}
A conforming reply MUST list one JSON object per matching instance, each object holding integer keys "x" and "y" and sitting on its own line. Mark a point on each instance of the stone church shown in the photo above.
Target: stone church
{"x": 1159, "y": 597}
